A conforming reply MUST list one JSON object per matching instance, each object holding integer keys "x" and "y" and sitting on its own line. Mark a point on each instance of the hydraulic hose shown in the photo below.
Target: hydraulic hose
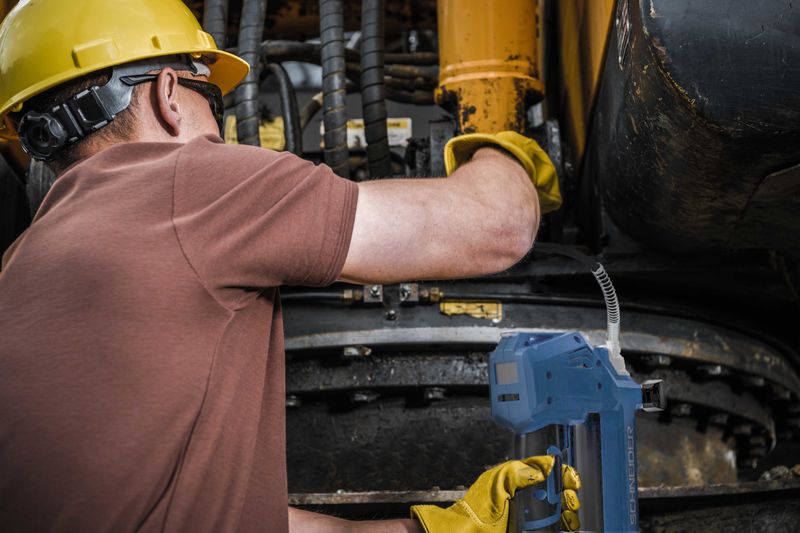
{"x": 334, "y": 85}
{"x": 292, "y": 131}
{"x": 310, "y": 109}
{"x": 215, "y": 20}
{"x": 282, "y": 50}
{"x": 251, "y": 29}
{"x": 373, "y": 89}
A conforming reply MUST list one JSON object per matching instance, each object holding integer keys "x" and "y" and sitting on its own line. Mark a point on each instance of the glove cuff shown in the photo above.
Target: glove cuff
{"x": 459, "y": 150}
{"x": 426, "y": 515}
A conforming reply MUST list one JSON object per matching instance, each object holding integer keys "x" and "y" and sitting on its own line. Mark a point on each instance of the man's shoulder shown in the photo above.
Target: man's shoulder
{"x": 211, "y": 149}
{"x": 210, "y": 157}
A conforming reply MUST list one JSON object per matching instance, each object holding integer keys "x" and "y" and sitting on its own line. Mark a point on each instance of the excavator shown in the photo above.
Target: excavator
{"x": 674, "y": 127}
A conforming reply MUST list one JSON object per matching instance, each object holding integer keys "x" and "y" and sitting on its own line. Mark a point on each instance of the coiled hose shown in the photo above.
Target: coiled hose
{"x": 215, "y": 20}
{"x": 612, "y": 305}
{"x": 609, "y": 295}
{"x": 292, "y": 132}
{"x": 373, "y": 90}
{"x": 334, "y": 84}
{"x": 251, "y": 29}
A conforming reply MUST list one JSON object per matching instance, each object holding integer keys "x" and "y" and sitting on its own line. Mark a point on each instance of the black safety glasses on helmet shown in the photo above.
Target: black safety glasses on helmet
{"x": 44, "y": 134}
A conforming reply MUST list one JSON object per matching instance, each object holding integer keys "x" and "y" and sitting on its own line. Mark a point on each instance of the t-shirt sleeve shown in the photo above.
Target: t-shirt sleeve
{"x": 249, "y": 218}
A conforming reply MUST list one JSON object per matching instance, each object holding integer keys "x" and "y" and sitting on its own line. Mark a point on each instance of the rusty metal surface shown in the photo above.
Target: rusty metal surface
{"x": 416, "y": 393}
{"x": 783, "y": 488}
{"x": 447, "y": 441}
{"x": 642, "y": 333}
{"x": 677, "y": 454}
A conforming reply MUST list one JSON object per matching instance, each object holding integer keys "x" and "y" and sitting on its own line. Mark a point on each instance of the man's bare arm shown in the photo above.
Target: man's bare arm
{"x": 480, "y": 220}
{"x": 308, "y": 522}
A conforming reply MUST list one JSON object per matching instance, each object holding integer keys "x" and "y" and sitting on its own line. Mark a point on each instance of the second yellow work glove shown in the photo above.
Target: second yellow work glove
{"x": 535, "y": 161}
{"x": 484, "y": 508}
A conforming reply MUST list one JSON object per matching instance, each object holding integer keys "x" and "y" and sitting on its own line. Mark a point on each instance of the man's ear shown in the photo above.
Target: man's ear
{"x": 169, "y": 111}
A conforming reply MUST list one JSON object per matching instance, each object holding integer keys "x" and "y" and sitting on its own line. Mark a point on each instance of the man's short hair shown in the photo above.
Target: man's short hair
{"x": 119, "y": 128}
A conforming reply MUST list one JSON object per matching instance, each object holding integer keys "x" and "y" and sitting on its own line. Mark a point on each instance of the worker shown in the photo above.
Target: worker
{"x": 141, "y": 345}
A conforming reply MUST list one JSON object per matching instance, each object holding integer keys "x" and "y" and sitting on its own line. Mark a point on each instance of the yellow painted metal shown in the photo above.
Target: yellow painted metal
{"x": 487, "y": 310}
{"x": 489, "y": 71}
{"x": 583, "y": 29}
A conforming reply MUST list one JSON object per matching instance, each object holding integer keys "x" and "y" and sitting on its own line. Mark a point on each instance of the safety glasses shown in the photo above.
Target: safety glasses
{"x": 209, "y": 91}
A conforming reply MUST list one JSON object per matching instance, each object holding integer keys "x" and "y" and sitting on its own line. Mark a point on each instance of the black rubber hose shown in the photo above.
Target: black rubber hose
{"x": 417, "y": 58}
{"x": 215, "y": 20}
{"x": 251, "y": 29}
{"x": 292, "y": 132}
{"x": 310, "y": 109}
{"x": 334, "y": 85}
{"x": 279, "y": 50}
{"x": 314, "y": 104}
{"x": 313, "y": 297}
{"x": 373, "y": 89}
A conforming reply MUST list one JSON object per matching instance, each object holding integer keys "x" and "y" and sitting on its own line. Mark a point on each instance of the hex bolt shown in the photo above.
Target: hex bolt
{"x": 743, "y": 429}
{"x": 719, "y": 419}
{"x": 713, "y": 370}
{"x": 373, "y": 294}
{"x": 293, "y": 401}
{"x": 779, "y": 392}
{"x": 363, "y": 396}
{"x": 356, "y": 352}
{"x": 656, "y": 360}
{"x": 755, "y": 382}
{"x": 435, "y": 294}
{"x": 434, "y": 394}
{"x": 680, "y": 409}
{"x": 391, "y": 314}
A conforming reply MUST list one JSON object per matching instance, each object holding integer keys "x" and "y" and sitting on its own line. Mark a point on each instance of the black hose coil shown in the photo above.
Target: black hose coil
{"x": 373, "y": 89}
{"x": 251, "y": 29}
{"x": 334, "y": 84}
{"x": 215, "y": 20}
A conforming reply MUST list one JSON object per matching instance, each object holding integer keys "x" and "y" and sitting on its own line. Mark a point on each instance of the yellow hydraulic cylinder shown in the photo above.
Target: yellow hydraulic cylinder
{"x": 489, "y": 70}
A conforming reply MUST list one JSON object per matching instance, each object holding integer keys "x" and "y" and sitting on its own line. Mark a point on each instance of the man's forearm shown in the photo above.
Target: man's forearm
{"x": 307, "y": 522}
{"x": 480, "y": 220}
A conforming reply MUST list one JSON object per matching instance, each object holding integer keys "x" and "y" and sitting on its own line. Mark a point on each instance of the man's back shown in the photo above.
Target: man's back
{"x": 132, "y": 362}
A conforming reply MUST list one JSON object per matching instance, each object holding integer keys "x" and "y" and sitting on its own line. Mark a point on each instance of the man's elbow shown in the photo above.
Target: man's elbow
{"x": 515, "y": 240}
{"x": 526, "y": 225}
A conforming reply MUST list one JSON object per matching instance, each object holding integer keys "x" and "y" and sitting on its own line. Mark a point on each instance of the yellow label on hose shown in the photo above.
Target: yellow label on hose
{"x": 487, "y": 310}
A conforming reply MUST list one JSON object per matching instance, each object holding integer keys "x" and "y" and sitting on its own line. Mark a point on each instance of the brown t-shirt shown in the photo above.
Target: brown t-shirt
{"x": 141, "y": 342}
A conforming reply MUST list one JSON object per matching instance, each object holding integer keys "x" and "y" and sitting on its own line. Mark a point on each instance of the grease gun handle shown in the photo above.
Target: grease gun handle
{"x": 552, "y": 495}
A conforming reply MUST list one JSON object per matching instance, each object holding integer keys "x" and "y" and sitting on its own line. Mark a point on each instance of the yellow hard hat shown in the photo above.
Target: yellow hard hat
{"x": 44, "y": 43}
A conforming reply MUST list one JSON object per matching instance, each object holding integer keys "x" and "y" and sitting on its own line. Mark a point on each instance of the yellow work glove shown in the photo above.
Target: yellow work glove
{"x": 484, "y": 508}
{"x": 537, "y": 164}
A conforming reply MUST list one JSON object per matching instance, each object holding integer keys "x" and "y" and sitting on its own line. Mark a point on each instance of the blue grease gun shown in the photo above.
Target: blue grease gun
{"x": 564, "y": 397}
